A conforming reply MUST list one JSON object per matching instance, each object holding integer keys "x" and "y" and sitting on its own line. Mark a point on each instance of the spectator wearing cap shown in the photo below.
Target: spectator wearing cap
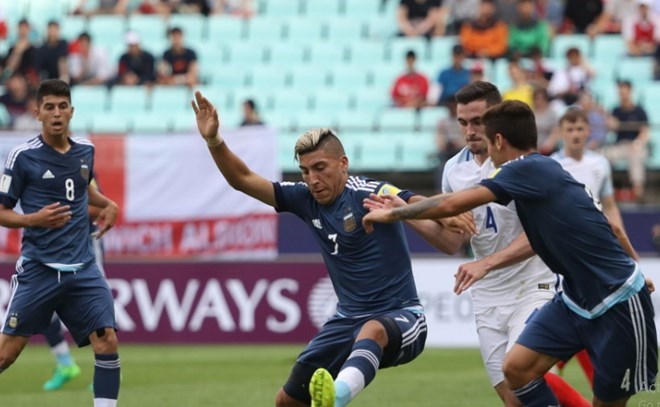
{"x": 528, "y": 32}
{"x": 487, "y": 35}
{"x": 630, "y": 122}
{"x": 136, "y": 66}
{"x": 89, "y": 64}
{"x": 250, "y": 114}
{"x": 179, "y": 64}
{"x": 52, "y": 56}
{"x": 410, "y": 88}
{"x": 454, "y": 77}
{"x": 642, "y": 30}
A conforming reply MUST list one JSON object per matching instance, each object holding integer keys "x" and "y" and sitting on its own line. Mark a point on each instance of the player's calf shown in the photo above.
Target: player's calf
{"x": 10, "y": 348}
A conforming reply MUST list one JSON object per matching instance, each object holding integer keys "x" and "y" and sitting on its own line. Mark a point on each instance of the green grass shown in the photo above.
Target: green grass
{"x": 227, "y": 376}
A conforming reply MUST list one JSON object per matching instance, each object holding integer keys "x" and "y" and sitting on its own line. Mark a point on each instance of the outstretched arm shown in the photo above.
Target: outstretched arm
{"x": 51, "y": 216}
{"x": 107, "y": 217}
{"x": 437, "y": 206}
{"x": 468, "y": 273}
{"x": 235, "y": 171}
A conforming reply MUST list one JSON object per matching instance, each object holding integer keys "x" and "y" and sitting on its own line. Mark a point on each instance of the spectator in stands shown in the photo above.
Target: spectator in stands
{"x": 192, "y": 7}
{"x": 597, "y": 120}
{"x": 237, "y": 8}
{"x": 506, "y": 11}
{"x": 179, "y": 64}
{"x": 567, "y": 83}
{"x": 94, "y": 7}
{"x": 453, "y": 78}
{"x": 551, "y": 11}
{"x": 459, "y": 12}
{"x": 15, "y": 98}
{"x": 546, "y": 122}
{"x": 449, "y": 141}
{"x": 410, "y": 89}
{"x": 4, "y": 28}
{"x": 580, "y": 15}
{"x": 136, "y": 66}
{"x": 609, "y": 21}
{"x": 89, "y": 64}
{"x": 486, "y": 36}
{"x": 52, "y": 55}
{"x": 655, "y": 236}
{"x": 630, "y": 122}
{"x": 28, "y": 121}
{"x": 642, "y": 30}
{"x": 541, "y": 70}
{"x": 417, "y": 18}
{"x": 528, "y": 32}
{"x": 250, "y": 114}
{"x": 21, "y": 56}
{"x": 521, "y": 90}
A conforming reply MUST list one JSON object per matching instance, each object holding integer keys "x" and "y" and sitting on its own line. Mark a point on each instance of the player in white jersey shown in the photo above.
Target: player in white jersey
{"x": 504, "y": 300}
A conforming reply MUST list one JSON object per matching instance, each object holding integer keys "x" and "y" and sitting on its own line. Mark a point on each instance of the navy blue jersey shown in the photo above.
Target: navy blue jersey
{"x": 567, "y": 229}
{"x": 37, "y": 175}
{"x": 371, "y": 273}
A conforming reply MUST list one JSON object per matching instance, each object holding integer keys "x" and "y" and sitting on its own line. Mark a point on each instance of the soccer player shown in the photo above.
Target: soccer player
{"x": 502, "y": 301}
{"x": 57, "y": 271}
{"x": 379, "y": 321}
{"x": 605, "y": 306}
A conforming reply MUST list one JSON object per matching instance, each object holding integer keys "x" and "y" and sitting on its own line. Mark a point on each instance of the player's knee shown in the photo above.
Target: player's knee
{"x": 374, "y": 330}
{"x": 282, "y": 399}
{"x": 104, "y": 340}
{"x": 512, "y": 371}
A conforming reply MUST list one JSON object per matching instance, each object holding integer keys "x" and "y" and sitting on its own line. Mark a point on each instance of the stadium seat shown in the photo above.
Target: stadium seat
{"x": 430, "y": 116}
{"x": 363, "y": 54}
{"x": 265, "y": 29}
{"x": 418, "y": 152}
{"x": 608, "y": 49}
{"x": 290, "y": 101}
{"x": 370, "y": 156}
{"x": 89, "y": 99}
{"x": 440, "y": 50}
{"x": 308, "y": 77}
{"x": 107, "y": 30}
{"x": 363, "y": 9}
{"x": 638, "y": 70}
{"x": 225, "y": 30}
{"x": 320, "y": 118}
{"x": 382, "y": 76}
{"x": 370, "y": 100}
{"x": 401, "y": 45}
{"x": 324, "y": 54}
{"x": 347, "y": 77}
{"x": 561, "y": 43}
{"x": 380, "y": 28}
{"x": 298, "y": 30}
{"x": 72, "y": 26}
{"x": 184, "y": 123}
{"x": 194, "y": 27}
{"x": 266, "y": 77}
{"x": 353, "y": 121}
{"x": 344, "y": 30}
{"x": 151, "y": 28}
{"x": 286, "y": 140}
{"x": 241, "y": 54}
{"x": 316, "y": 9}
{"x": 213, "y": 69}
{"x": 329, "y": 101}
{"x": 40, "y": 12}
{"x": 279, "y": 8}
{"x": 261, "y": 99}
{"x": 284, "y": 55}
{"x": 128, "y": 99}
{"x": 167, "y": 99}
{"x": 110, "y": 123}
{"x": 397, "y": 120}
{"x": 651, "y": 101}
{"x": 152, "y": 122}
{"x": 4, "y": 117}
{"x": 654, "y": 156}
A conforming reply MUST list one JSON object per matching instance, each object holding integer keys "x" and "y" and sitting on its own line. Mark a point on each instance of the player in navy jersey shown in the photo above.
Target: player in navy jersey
{"x": 379, "y": 321}
{"x": 605, "y": 306}
{"x": 57, "y": 270}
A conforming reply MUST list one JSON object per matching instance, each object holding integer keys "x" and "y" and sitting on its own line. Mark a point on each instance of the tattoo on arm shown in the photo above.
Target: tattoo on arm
{"x": 413, "y": 210}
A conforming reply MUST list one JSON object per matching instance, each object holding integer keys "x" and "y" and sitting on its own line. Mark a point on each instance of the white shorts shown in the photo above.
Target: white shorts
{"x": 499, "y": 326}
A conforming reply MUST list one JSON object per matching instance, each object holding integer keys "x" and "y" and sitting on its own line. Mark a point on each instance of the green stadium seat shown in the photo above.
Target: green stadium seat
{"x": 4, "y": 117}
{"x": 363, "y": 9}
{"x": 279, "y": 8}
{"x": 285, "y": 55}
{"x": 285, "y": 142}
{"x": 654, "y": 156}
{"x": 310, "y": 120}
{"x": 651, "y": 101}
{"x": 263, "y": 100}
{"x": 381, "y": 28}
{"x": 151, "y": 28}
{"x": 354, "y": 121}
{"x": 265, "y": 29}
{"x": 561, "y": 43}
{"x": 365, "y": 53}
{"x": 225, "y": 30}
{"x": 290, "y": 101}
{"x": 241, "y": 54}
{"x": 298, "y": 30}
{"x": 382, "y": 76}
{"x": 309, "y": 77}
{"x": 401, "y": 45}
{"x": 440, "y": 50}
{"x": 184, "y": 123}
{"x": 110, "y": 123}
{"x": 128, "y": 99}
{"x": 39, "y": 12}
{"x": 608, "y": 49}
{"x": 194, "y": 27}
{"x": 347, "y": 77}
{"x": 266, "y": 77}
{"x": 72, "y": 26}
{"x": 418, "y": 152}
{"x": 397, "y": 120}
{"x": 372, "y": 156}
{"x": 316, "y": 9}
{"x": 107, "y": 31}
{"x": 638, "y": 70}
{"x": 344, "y": 30}
{"x": 167, "y": 99}
{"x": 370, "y": 100}
{"x": 331, "y": 101}
{"x": 324, "y": 54}
{"x": 282, "y": 122}
{"x": 430, "y": 116}
{"x": 89, "y": 99}
{"x": 212, "y": 68}
{"x": 152, "y": 122}
{"x": 500, "y": 76}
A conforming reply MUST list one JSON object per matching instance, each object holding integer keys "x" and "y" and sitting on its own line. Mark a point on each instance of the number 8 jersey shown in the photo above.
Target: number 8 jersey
{"x": 37, "y": 175}
{"x": 498, "y": 226}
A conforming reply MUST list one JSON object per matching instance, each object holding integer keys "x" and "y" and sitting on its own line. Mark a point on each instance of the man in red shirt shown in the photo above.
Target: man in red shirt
{"x": 411, "y": 88}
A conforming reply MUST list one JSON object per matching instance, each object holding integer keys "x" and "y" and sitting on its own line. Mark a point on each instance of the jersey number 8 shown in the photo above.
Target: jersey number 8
{"x": 70, "y": 190}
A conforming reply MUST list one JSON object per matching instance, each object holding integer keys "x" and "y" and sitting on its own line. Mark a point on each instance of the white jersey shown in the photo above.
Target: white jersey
{"x": 593, "y": 170}
{"x": 497, "y": 227}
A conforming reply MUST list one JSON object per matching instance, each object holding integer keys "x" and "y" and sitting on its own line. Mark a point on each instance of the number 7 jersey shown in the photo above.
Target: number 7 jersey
{"x": 37, "y": 175}
{"x": 498, "y": 225}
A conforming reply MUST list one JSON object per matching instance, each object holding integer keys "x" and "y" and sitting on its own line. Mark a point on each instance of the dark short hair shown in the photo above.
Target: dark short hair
{"x": 250, "y": 103}
{"x": 624, "y": 82}
{"x": 23, "y": 21}
{"x": 411, "y": 54}
{"x": 573, "y": 50}
{"x": 515, "y": 121}
{"x": 53, "y": 22}
{"x": 175, "y": 30}
{"x": 573, "y": 115}
{"x": 53, "y": 87}
{"x": 457, "y": 50}
{"x": 479, "y": 90}
{"x": 85, "y": 36}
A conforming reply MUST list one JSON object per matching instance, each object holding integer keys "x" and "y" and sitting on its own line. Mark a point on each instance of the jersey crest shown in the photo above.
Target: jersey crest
{"x": 349, "y": 221}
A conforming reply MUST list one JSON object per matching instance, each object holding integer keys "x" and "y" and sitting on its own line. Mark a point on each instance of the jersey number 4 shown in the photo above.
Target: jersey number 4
{"x": 490, "y": 219}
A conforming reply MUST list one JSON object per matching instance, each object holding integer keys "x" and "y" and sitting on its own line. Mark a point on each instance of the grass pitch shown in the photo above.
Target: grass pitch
{"x": 228, "y": 376}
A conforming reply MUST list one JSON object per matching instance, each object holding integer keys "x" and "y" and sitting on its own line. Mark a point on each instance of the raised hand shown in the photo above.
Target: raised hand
{"x": 377, "y": 216}
{"x": 208, "y": 122}
{"x": 468, "y": 274}
{"x": 384, "y": 201}
{"x": 107, "y": 219}
{"x": 50, "y": 216}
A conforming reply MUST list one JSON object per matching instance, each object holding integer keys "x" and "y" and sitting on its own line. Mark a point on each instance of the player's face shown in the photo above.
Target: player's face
{"x": 54, "y": 113}
{"x": 575, "y": 135}
{"x": 494, "y": 153}
{"x": 325, "y": 175}
{"x": 469, "y": 120}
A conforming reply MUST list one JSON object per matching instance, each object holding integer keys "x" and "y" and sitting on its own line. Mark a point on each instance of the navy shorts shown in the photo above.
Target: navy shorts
{"x": 621, "y": 343}
{"x": 82, "y": 300}
{"x": 332, "y": 345}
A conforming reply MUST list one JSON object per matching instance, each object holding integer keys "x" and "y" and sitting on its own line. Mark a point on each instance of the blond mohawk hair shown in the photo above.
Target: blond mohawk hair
{"x": 316, "y": 139}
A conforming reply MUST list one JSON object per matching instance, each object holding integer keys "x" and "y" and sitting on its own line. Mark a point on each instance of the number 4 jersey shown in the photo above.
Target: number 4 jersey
{"x": 498, "y": 225}
{"x": 37, "y": 175}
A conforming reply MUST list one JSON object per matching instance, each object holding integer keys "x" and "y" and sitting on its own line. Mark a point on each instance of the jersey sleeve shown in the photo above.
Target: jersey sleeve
{"x": 290, "y": 196}
{"x": 11, "y": 181}
{"x": 606, "y": 187}
{"x": 389, "y": 189}
{"x": 514, "y": 181}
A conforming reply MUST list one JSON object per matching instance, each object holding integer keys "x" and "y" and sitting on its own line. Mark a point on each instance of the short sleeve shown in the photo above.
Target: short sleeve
{"x": 515, "y": 180}
{"x": 11, "y": 182}
{"x": 290, "y": 196}
{"x": 607, "y": 187}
